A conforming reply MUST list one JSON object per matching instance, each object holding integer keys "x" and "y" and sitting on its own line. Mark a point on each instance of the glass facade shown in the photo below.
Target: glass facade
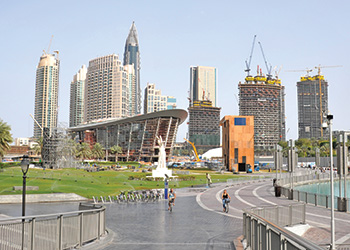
{"x": 137, "y": 136}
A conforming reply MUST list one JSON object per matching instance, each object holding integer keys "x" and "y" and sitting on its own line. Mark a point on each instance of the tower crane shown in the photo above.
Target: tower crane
{"x": 48, "y": 49}
{"x": 268, "y": 68}
{"x": 318, "y": 76}
{"x": 250, "y": 58}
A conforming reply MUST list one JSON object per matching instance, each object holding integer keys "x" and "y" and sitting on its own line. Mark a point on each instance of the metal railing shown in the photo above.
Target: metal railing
{"x": 287, "y": 179}
{"x": 263, "y": 234}
{"x": 53, "y": 231}
{"x": 316, "y": 199}
{"x": 283, "y": 215}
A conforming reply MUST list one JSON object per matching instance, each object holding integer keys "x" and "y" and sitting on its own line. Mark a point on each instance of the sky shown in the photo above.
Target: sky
{"x": 174, "y": 35}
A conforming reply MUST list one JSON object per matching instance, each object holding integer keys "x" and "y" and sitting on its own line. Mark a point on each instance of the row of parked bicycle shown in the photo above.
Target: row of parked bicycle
{"x": 132, "y": 196}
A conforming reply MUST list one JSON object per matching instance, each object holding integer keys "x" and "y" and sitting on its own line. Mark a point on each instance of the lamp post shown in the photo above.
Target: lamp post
{"x": 329, "y": 123}
{"x": 24, "y": 167}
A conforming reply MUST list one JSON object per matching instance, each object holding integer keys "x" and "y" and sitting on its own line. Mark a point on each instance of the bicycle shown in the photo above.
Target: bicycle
{"x": 171, "y": 204}
{"x": 226, "y": 206}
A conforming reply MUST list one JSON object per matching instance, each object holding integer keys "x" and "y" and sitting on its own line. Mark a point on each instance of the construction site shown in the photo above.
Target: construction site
{"x": 312, "y": 104}
{"x": 262, "y": 96}
{"x": 203, "y": 125}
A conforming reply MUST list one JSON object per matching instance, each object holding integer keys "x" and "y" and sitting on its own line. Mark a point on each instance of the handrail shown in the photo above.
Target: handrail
{"x": 54, "y": 231}
{"x": 29, "y": 217}
{"x": 259, "y": 234}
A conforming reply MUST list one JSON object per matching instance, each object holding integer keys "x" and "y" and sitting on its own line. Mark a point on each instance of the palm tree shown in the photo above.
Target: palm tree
{"x": 98, "y": 151}
{"x": 39, "y": 146}
{"x": 5, "y": 138}
{"x": 83, "y": 151}
{"x": 116, "y": 150}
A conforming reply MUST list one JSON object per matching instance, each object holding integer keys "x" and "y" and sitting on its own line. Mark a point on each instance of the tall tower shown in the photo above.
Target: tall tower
{"x": 203, "y": 85}
{"x": 132, "y": 57}
{"x": 46, "y": 94}
{"x": 263, "y": 98}
{"x": 77, "y": 88}
{"x": 312, "y": 103}
{"x": 106, "y": 89}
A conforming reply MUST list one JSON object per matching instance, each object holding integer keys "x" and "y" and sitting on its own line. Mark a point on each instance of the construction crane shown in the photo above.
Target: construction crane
{"x": 319, "y": 77}
{"x": 48, "y": 49}
{"x": 320, "y": 89}
{"x": 194, "y": 149}
{"x": 250, "y": 58}
{"x": 268, "y": 68}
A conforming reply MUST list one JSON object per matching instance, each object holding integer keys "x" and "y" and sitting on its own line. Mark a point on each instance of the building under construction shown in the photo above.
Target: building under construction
{"x": 312, "y": 105}
{"x": 203, "y": 126}
{"x": 263, "y": 98}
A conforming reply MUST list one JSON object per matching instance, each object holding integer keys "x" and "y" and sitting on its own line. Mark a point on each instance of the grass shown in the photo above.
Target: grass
{"x": 90, "y": 184}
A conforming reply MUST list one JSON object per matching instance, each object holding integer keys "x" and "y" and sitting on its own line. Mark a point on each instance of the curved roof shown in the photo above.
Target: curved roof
{"x": 177, "y": 113}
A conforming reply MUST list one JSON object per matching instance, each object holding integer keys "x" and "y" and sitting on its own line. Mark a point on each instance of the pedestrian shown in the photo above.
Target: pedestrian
{"x": 208, "y": 179}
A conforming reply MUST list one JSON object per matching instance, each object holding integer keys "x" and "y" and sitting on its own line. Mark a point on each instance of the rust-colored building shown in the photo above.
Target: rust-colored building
{"x": 238, "y": 142}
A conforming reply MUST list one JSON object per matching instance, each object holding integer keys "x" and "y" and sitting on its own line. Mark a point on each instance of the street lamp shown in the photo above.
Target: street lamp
{"x": 329, "y": 123}
{"x": 24, "y": 167}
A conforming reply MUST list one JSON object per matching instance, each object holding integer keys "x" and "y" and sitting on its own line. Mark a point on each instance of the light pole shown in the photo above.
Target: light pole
{"x": 24, "y": 167}
{"x": 329, "y": 123}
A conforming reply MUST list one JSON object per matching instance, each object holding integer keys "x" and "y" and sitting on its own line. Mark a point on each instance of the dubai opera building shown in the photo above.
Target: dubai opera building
{"x": 137, "y": 135}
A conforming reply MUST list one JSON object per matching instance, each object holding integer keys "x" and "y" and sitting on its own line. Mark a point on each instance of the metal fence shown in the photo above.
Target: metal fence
{"x": 282, "y": 215}
{"x": 321, "y": 200}
{"x": 53, "y": 231}
{"x": 263, "y": 233}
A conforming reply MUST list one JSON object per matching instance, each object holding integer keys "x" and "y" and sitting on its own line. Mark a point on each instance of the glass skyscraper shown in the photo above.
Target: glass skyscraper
{"x": 77, "y": 88}
{"x": 132, "y": 57}
{"x": 46, "y": 94}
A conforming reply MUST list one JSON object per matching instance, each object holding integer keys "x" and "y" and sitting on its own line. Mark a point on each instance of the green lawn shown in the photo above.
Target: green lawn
{"x": 90, "y": 184}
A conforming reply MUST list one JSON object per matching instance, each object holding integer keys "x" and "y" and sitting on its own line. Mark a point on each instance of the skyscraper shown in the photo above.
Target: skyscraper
{"x": 204, "y": 125}
{"x": 132, "y": 57}
{"x": 312, "y": 105}
{"x": 263, "y": 98}
{"x": 46, "y": 94}
{"x": 203, "y": 85}
{"x": 154, "y": 100}
{"x": 77, "y": 88}
{"x": 106, "y": 89}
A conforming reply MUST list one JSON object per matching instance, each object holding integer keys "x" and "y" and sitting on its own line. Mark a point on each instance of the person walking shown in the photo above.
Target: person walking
{"x": 171, "y": 198}
{"x": 208, "y": 179}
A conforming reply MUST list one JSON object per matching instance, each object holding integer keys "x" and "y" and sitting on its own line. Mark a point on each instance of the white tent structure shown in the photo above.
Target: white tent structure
{"x": 215, "y": 152}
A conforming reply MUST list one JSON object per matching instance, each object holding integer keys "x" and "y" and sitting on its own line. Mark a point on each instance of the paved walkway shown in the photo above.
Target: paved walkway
{"x": 197, "y": 221}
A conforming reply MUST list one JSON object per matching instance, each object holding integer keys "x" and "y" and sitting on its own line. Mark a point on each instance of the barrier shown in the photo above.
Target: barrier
{"x": 264, "y": 233}
{"x": 53, "y": 231}
{"x": 321, "y": 200}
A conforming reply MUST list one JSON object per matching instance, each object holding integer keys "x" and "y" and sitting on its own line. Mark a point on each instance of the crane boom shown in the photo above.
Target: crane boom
{"x": 37, "y": 123}
{"x": 48, "y": 49}
{"x": 250, "y": 57}
{"x": 194, "y": 148}
{"x": 267, "y": 67}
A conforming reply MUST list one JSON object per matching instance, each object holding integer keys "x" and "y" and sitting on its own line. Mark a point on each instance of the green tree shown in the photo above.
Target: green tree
{"x": 37, "y": 148}
{"x": 116, "y": 150}
{"x": 5, "y": 138}
{"x": 284, "y": 145}
{"x": 98, "y": 151}
{"x": 83, "y": 151}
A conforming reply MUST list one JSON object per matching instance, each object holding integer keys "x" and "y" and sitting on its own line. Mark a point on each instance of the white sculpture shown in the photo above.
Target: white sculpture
{"x": 161, "y": 169}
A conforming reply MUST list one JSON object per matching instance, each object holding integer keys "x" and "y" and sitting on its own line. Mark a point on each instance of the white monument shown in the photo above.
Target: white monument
{"x": 161, "y": 169}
